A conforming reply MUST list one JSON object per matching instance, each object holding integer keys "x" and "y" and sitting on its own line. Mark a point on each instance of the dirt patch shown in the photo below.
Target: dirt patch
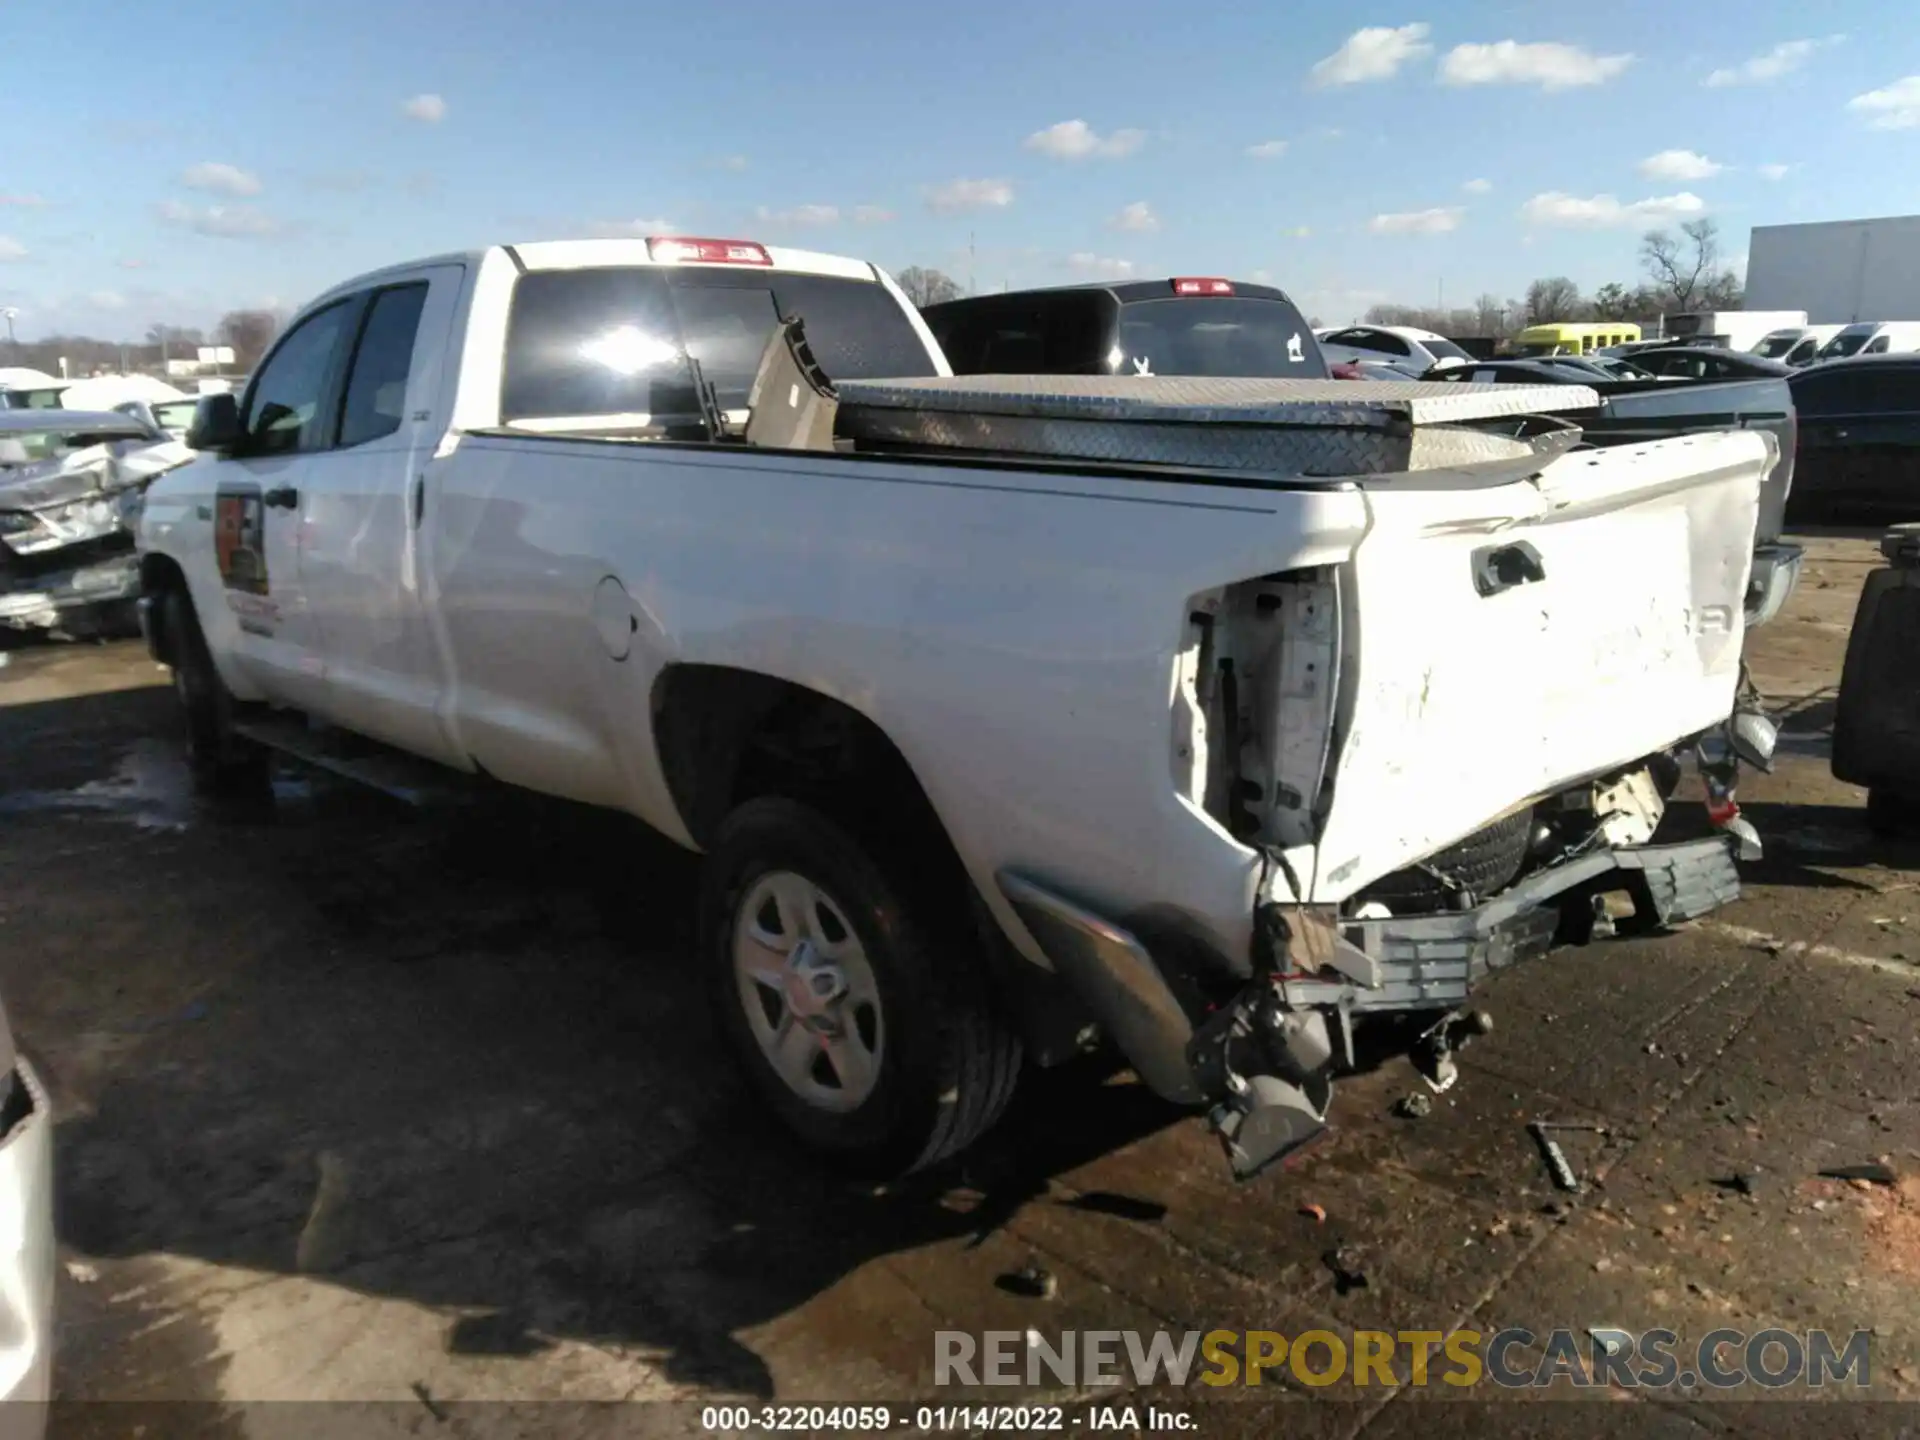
{"x": 1895, "y": 1229}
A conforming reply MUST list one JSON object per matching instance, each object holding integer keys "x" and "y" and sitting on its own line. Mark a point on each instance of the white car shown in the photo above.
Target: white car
{"x": 1400, "y": 346}
{"x": 1008, "y": 710}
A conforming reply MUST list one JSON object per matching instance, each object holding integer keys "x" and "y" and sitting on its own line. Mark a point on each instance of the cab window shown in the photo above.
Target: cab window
{"x": 376, "y": 393}
{"x": 285, "y": 400}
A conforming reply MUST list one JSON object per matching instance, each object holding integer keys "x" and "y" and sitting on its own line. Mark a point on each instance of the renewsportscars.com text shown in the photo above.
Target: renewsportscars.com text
{"x": 1513, "y": 1358}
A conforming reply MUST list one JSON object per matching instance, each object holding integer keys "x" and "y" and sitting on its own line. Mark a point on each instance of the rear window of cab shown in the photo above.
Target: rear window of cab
{"x": 617, "y": 340}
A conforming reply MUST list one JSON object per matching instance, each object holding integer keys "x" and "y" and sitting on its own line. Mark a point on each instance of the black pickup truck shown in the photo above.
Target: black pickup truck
{"x": 1201, "y": 326}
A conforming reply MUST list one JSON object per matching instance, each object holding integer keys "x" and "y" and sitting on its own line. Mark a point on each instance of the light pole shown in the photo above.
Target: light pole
{"x": 10, "y": 313}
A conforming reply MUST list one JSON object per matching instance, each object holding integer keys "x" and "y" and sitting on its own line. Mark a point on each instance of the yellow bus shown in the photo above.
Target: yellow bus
{"x": 1581, "y": 339}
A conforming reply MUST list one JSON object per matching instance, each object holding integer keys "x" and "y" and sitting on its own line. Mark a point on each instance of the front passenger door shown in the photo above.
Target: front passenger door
{"x": 260, "y": 508}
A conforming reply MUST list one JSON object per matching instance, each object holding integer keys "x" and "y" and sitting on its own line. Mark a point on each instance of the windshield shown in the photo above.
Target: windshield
{"x": 1261, "y": 339}
{"x": 610, "y": 342}
{"x": 1534, "y": 351}
{"x": 1777, "y": 347}
{"x": 48, "y": 399}
{"x": 175, "y": 414}
{"x": 1445, "y": 350}
{"x": 1847, "y": 342}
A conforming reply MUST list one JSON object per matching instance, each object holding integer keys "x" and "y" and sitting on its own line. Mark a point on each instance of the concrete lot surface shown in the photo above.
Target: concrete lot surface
{"x": 423, "y": 1110}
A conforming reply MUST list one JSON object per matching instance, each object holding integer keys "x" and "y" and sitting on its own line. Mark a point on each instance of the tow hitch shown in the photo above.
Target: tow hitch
{"x": 1433, "y": 1053}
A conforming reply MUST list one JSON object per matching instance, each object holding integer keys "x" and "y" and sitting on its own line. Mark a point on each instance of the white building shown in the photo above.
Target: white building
{"x": 1838, "y": 271}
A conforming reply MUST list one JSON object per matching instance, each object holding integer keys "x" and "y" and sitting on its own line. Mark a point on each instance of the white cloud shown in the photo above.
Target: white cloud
{"x": 1076, "y": 140}
{"x": 221, "y": 179}
{"x": 1894, "y": 107}
{"x": 1782, "y": 59}
{"x": 1298, "y": 232}
{"x": 226, "y": 221}
{"x": 958, "y": 195}
{"x": 1436, "y": 221}
{"x": 1602, "y": 212}
{"x": 1137, "y": 216}
{"x": 733, "y": 162}
{"x": 1548, "y": 64}
{"x": 133, "y": 264}
{"x": 631, "y": 229}
{"x": 1477, "y": 187}
{"x": 427, "y": 109}
{"x": 803, "y": 215}
{"x": 1261, "y": 277}
{"x": 12, "y": 249}
{"x": 871, "y": 215}
{"x": 1680, "y": 165}
{"x": 30, "y": 202}
{"x": 107, "y": 300}
{"x": 1774, "y": 172}
{"x": 1374, "y": 53}
{"x": 1267, "y": 150}
{"x": 1099, "y": 267}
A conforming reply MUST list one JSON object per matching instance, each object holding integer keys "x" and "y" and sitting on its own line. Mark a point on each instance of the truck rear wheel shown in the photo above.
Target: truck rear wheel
{"x": 222, "y": 761}
{"x": 860, "y": 1021}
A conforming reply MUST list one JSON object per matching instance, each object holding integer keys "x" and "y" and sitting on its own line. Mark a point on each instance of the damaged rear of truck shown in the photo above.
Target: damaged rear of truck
{"x": 1441, "y": 741}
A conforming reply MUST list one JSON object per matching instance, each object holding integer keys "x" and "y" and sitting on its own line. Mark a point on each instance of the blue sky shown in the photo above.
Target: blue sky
{"x": 240, "y": 156}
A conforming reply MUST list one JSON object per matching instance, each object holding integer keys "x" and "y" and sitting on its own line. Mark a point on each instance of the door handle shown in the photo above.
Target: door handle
{"x": 1501, "y": 567}
{"x": 419, "y": 499}
{"x": 284, "y": 497}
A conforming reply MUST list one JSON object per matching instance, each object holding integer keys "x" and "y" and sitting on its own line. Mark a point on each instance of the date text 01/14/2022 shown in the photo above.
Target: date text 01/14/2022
{"x": 936, "y": 1419}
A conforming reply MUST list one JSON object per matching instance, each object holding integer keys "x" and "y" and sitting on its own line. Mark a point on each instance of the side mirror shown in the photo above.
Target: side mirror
{"x": 216, "y": 424}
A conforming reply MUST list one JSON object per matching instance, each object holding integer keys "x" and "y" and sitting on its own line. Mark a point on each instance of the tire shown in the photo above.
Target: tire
{"x": 939, "y": 1067}
{"x": 1485, "y": 862}
{"x": 1891, "y": 814}
{"x": 222, "y": 762}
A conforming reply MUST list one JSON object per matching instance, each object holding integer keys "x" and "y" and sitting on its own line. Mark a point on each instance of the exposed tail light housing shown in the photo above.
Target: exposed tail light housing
{"x": 684, "y": 249}
{"x": 1201, "y": 285}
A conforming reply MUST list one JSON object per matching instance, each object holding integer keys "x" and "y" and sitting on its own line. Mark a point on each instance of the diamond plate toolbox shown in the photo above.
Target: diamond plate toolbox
{"x": 1284, "y": 427}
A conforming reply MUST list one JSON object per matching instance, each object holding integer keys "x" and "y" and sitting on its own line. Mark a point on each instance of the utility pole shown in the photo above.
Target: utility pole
{"x": 971, "y": 290}
{"x": 12, "y": 344}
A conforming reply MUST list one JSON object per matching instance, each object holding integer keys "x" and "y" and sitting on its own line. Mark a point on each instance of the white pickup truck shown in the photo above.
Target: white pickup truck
{"x": 1243, "y": 724}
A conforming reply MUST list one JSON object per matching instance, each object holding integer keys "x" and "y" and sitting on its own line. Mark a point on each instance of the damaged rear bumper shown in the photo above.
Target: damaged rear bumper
{"x": 1266, "y": 1058}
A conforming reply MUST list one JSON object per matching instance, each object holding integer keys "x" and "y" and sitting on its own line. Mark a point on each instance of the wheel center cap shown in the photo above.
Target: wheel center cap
{"x": 813, "y": 986}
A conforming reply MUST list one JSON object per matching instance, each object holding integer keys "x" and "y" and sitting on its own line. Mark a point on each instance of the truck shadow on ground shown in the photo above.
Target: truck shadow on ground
{"x": 461, "y": 1059}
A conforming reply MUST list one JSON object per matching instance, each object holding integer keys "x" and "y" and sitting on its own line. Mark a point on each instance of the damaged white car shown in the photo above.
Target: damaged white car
{"x": 70, "y": 482}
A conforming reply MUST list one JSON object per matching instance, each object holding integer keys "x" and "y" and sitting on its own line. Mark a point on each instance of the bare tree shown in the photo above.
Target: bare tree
{"x": 1552, "y": 300}
{"x": 249, "y": 332}
{"x": 1490, "y": 315}
{"x": 926, "y": 287}
{"x": 1613, "y": 301}
{"x": 1684, "y": 271}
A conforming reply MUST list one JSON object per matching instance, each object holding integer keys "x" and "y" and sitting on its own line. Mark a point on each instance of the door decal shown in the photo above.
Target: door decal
{"x": 240, "y": 538}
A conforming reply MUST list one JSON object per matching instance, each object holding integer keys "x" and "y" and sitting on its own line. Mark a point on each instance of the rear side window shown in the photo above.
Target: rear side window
{"x": 616, "y": 341}
{"x": 593, "y": 342}
{"x": 376, "y": 395}
{"x": 1858, "y": 390}
{"x": 1241, "y": 336}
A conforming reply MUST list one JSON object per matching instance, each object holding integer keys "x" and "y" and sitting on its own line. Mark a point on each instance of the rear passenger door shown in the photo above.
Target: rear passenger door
{"x": 368, "y": 493}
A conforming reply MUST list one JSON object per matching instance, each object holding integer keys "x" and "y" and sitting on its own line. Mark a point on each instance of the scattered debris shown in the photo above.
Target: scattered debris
{"x": 1416, "y": 1106}
{"x": 1603, "y": 1265}
{"x": 1872, "y": 1173}
{"x": 81, "y": 1273}
{"x": 421, "y": 1393}
{"x": 1032, "y": 1280}
{"x": 1499, "y": 1227}
{"x": 1556, "y": 1158}
{"x": 1344, "y": 1262}
{"x": 1318, "y": 1212}
{"x": 1741, "y": 1182}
